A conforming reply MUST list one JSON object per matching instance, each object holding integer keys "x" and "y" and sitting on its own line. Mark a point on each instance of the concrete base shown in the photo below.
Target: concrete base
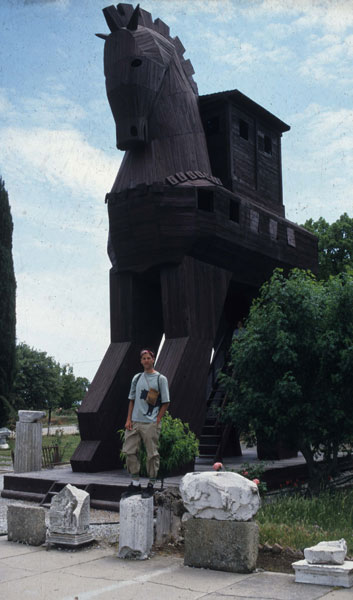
{"x": 70, "y": 540}
{"x": 221, "y": 545}
{"x": 136, "y": 527}
{"x": 332, "y": 575}
{"x": 26, "y": 524}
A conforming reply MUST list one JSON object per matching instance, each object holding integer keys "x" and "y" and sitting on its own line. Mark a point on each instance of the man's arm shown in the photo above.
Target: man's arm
{"x": 128, "y": 424}
{"x": 162, "y": 411}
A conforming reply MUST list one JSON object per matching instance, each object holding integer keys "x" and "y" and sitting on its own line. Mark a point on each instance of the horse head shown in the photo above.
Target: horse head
{"x": 137, "y": 56}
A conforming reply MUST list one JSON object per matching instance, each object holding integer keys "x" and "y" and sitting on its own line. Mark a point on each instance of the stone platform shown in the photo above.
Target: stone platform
{"x": 332, "y": 575}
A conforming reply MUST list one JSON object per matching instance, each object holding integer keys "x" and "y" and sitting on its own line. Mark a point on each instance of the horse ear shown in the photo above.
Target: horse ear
{"x": 134, "y": 21}
{"x": 112, "y": 17}
{"x": 103, "y": 36}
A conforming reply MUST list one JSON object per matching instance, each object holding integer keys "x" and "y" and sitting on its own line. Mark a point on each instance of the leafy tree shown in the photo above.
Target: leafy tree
{"x": 7, "y": 307}
{"x": 74, "y": 388}
{"x": 42, "y": 384}
{"x": 292, "y": 368}
{"x": 335, "y": 244}
{"x": 38, "y": 384}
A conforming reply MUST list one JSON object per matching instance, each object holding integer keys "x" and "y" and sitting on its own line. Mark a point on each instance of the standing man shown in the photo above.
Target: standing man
{"x": 148, "y": 402}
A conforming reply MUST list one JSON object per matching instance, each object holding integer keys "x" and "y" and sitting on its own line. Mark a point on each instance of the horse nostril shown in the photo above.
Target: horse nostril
{"x": 133, "y": 131}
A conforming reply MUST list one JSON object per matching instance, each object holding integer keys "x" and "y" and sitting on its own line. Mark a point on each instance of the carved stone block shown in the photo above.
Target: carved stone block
{"x": 69, "y": 517}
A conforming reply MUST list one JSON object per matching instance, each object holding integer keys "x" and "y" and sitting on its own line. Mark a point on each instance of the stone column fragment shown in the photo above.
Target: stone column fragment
{"x": 28, "y": 450}
{"x": 136, "y": 527}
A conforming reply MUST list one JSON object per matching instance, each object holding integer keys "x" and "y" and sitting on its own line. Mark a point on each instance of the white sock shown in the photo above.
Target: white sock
{"x": 135, "y": 482}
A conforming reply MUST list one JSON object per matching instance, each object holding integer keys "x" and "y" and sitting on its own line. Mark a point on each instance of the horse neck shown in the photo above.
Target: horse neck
{"x": 178, "y": 141}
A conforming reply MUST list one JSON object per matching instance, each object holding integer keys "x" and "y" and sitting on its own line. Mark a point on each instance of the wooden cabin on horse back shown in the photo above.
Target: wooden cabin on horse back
{"x": 196, "y": 225}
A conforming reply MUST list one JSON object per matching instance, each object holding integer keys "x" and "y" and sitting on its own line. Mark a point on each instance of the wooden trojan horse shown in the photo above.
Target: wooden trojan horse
{"x": 188, "y": 253}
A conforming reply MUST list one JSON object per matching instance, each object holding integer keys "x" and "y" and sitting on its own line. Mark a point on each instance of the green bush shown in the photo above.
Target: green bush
{"x": 178, "y": 446}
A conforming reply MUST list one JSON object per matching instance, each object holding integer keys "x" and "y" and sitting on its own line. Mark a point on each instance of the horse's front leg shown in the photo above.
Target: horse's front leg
{"x": 135, "y": 314}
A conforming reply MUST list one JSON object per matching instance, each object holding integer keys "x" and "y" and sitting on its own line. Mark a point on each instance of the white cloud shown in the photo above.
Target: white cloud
{"x": 330, "y": 60}
{"x": 59, "y": 157}
{"x": 232, "y": 50}
{"x": 318, "y": 163}
{"x": 60, "y": 313}
{"x": 329, "y": 15}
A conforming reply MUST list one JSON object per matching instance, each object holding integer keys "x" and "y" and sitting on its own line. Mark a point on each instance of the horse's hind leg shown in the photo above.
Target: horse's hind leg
{"x": 193, "y": 295}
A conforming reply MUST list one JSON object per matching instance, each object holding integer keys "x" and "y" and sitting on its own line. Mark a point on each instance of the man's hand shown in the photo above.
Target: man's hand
{"x": 128, "y": 424}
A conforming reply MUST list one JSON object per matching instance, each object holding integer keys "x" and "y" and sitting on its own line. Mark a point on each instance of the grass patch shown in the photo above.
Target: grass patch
{"x": 300, "y": 522}
{"x": 67, "y": 444}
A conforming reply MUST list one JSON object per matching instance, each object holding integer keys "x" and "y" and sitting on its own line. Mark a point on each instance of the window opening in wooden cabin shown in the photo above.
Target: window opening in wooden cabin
{"x": 243, "y": 129}
{"x": 234, "y": 211}
{"x": 264, "y": 143}
{"x": 205, "y": 200}
{"x": 211, "y": 125}
{"x": 267, "y": 144}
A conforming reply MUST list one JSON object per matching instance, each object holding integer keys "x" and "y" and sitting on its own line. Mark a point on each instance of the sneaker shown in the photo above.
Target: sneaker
{"x": 132, "y": 490}
{"x": 148, "y": 492}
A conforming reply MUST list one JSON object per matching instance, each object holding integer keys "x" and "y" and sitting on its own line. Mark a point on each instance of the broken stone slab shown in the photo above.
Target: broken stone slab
{"x": 332, "y": 575}
{"x": 170, "y": 509}
{"x": 26, "y": 524}
{"x": 69, "y": 518}
{"x": 30, "y": 416}
{"x": 327, "y": 553}
{"x": 221, "y": 545}
{"x": 136, "y": 527}
{"x": 223, "y": 496}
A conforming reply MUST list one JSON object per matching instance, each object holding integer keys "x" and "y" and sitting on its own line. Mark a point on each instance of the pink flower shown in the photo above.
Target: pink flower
{"x": 245, "y": 473}
{"x": 257, "y": 481}
{"x": 217, "y": 466}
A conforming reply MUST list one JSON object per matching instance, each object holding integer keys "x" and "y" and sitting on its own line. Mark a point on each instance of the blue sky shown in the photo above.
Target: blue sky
{"x": 57, "y": 136}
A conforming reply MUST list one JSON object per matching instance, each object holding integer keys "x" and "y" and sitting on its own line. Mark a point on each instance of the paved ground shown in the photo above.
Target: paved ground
{"x": 28, "y": 572}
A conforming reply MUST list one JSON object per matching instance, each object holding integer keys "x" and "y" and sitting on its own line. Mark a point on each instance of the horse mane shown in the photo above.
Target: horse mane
{"x": 125, "y": 16}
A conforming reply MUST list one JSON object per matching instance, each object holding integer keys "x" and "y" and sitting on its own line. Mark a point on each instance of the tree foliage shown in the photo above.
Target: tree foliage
{"x": 74, "y": 388}
{"x": 42, "y": 384}
{"x": 335, "y": 244}
{"x": 7, "y": 307}
{"x": 292, "y": 368}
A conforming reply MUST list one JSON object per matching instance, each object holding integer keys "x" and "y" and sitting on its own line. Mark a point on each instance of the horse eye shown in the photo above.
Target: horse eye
{"x": 136, "y": 63}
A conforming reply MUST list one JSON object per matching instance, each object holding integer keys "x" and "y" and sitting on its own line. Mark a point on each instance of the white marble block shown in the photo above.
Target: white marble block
{"x": 327, "y": 553}
{"x": 69, "y": 518}
{"x": 223, "y": 496}
{"x": 332, "y": 575}
{"x": 136, "y": 527}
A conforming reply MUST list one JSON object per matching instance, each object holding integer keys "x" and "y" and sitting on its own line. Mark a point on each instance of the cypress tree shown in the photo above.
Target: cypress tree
{"x": 7, "y": 307}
